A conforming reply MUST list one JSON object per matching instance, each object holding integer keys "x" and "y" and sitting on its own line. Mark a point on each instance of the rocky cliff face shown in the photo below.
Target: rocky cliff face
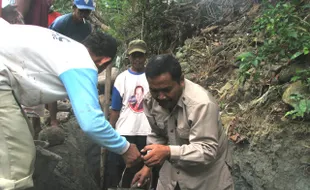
{"x": 277, "y": 155}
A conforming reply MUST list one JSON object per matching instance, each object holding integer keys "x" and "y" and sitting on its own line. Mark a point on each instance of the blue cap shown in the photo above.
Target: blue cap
{"x": 84, "y": 4}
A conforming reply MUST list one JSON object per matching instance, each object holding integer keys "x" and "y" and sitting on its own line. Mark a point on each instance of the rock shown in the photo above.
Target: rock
{"x": 63, "y": 116}
{"x": 42, "y": 144}
{"x": 53, "y": 135}
{"x": 287, "y": 73}
{"x": 46, "y": 118}
{"x": 294, "y": 88}
{"x": 65, "y": 167}
{"x": 49, "y": 154}
{"x": 64, "y": 105}
{"x": 274, "y": 163}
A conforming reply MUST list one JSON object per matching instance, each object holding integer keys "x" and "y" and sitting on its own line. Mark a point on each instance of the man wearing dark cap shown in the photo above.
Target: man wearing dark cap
{"x": 127, "y": 115}
{"x": 75, "y": 25}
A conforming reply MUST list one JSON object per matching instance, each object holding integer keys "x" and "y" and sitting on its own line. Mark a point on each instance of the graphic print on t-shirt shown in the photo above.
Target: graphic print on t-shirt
{"x": 135, "y": 101}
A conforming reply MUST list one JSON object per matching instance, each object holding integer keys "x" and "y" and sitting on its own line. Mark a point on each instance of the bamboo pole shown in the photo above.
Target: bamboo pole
{"x": 106, "y": 106}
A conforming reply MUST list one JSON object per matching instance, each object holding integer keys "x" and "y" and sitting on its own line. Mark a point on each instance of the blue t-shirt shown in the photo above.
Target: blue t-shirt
{"x": 66, "y": 26}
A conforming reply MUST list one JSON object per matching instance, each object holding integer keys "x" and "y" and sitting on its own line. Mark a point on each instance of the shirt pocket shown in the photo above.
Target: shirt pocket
{"x": 183, "y": 130}
{"x": 162, "y": 127}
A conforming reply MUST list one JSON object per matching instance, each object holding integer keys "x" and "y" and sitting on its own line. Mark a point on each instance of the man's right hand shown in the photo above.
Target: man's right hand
{"x": 132, "y": 156}
{"x": 142, "y": 177}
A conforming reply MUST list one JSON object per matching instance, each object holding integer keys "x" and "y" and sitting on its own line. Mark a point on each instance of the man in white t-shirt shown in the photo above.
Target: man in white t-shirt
{"x": 127, "y": 114}
{"x": 39, "y": 66}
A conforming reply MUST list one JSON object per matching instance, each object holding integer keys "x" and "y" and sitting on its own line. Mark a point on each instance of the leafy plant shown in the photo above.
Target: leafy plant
{"x": 286, "y": 36}
{"x": 247, "y": 60}
{"x": 301, "y": 107}
{"x": 303, "y": 76}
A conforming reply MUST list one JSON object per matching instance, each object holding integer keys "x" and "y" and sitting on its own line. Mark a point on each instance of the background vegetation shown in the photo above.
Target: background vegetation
{"x": 279, "y": 36}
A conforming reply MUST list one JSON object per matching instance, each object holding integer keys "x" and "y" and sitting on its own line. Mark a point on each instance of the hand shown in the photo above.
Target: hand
{"x": 157, "y": 154}
{"x": 132, "y": 156}
{"x": 142, "y": 177}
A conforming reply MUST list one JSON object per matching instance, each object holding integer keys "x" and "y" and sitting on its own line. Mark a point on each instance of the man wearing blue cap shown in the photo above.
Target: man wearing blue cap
{"x": 31, "y": 74}
{"x": 75, "y": 25}
{"x": 10, "y": 13}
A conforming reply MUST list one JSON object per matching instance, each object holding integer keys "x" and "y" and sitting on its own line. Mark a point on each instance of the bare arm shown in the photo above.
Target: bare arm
{"x": 114, "y": 117}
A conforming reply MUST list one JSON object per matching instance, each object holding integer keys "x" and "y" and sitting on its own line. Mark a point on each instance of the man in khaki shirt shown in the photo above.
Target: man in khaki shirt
{"x": 187, "y": 137}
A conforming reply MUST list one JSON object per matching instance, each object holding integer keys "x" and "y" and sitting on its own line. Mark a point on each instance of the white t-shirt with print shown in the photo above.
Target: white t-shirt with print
{"x": 127, "y": 97}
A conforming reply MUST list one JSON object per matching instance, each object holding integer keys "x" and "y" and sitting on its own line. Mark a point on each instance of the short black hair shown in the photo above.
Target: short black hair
{"x": 101, "y": 44}
{"x": 161, "y": 64}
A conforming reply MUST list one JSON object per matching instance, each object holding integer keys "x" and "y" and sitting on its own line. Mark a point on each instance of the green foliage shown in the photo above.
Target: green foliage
{"x": 285, "y": 30}
{"x": 302, "y": 75}
{"x": 301, "y": 107}
{"x": 119, "y": 15}
{"x": 63, "y": 6}
{"x": 248, "y": 60}
{"x": 286, "y": 36}
{"x": 158, "y": 23}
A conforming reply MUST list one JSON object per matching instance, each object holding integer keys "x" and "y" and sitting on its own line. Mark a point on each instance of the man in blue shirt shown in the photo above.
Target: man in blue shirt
{"x": 74, "y": 25}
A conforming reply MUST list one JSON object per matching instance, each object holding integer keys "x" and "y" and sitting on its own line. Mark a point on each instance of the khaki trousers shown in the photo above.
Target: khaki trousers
{"x": 17, "y": 150}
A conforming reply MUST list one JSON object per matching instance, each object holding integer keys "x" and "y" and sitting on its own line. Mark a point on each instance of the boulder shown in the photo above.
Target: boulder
{"x": 53, "y": 135}
{"x": 63, "y": 116}
{"x": 64, "y": 105}
{"x": 287, "y": 73}
{"x": 69, "y": 165}
{"x": 294, "y": 88}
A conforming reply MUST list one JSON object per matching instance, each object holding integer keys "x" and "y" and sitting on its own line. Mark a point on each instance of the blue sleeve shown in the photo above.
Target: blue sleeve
{"x": 58, "y": 25}
{"x": 116, "y": 100}
{"x": 81, "y": 86}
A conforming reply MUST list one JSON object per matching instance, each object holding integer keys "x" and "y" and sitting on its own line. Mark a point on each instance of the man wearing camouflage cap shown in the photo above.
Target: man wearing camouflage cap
{"x": 127, "y": 115}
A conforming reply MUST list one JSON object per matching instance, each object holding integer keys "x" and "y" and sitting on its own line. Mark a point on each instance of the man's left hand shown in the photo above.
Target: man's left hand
{"x": 156, "y": 154}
